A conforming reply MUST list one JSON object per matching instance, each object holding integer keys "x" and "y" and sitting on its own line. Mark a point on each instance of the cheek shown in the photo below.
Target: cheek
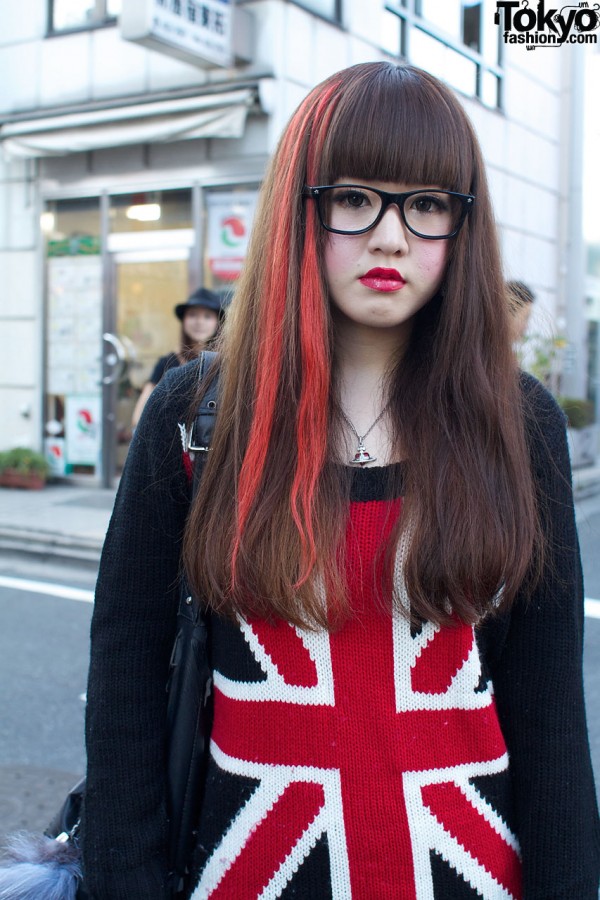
{"x": 433, "y": 259}
{"x": 338, "y": 257}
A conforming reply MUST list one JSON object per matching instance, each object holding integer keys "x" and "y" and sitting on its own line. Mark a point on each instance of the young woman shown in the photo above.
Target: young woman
{"x": 384, "y": 538}
{"x": 200, "y": 317}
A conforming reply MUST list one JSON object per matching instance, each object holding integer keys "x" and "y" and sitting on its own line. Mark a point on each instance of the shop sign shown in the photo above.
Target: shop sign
{"x": 80, "y": 245}
{"x": 195, "y": 31}
{"x": 230, "y": 216}
{"x": 82, "y": 429}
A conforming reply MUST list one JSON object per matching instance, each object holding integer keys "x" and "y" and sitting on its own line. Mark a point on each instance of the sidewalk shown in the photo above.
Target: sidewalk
{"x": 66, "y": 522}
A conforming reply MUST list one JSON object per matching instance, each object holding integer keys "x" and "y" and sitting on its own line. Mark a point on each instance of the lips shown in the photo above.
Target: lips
{"x": 386, "y": 280}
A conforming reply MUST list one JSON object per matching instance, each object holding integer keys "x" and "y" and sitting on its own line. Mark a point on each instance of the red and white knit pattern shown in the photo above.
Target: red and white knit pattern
{"x": 370, "y": 737}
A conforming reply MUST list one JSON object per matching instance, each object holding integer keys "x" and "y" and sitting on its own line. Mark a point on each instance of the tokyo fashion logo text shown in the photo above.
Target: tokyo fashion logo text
{"x": 543, "y": 27}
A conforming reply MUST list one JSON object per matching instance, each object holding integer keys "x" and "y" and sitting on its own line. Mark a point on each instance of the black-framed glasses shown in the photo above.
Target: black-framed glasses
{"x": 354, "y": 209}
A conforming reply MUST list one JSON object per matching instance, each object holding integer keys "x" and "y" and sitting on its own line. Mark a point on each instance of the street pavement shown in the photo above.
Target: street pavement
{"x": 54, "y": 534}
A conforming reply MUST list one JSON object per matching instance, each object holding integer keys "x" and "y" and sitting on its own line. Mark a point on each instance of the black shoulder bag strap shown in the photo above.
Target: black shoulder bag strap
{"x": 202, "y": 429}
{"x": 190, "y": 681}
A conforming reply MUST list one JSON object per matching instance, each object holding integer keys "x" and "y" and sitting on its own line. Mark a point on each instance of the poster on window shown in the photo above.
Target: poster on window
{"x": 74, "y": 325}
{"x": 230, "y": 216}
{"x": 54, "y": 451}
{"x": 82, "y": 429}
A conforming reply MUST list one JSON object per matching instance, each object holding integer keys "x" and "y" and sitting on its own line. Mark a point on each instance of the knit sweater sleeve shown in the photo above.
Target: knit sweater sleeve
{"x": 124, "y": 829}
{"x": 538, "y": 684}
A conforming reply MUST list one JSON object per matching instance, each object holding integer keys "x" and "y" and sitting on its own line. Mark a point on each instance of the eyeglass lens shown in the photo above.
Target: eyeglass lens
{"x": 430, "y": 213}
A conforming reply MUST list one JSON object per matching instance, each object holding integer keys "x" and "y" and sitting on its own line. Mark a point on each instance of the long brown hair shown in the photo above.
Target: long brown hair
{"x": 265, "y": 533}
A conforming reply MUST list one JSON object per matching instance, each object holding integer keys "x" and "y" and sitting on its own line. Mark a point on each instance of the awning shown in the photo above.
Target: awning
{"x": 211, "y": 115}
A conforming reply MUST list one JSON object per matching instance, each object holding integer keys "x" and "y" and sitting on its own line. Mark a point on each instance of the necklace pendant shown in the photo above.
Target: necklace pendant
{"x": 362, "y": 456}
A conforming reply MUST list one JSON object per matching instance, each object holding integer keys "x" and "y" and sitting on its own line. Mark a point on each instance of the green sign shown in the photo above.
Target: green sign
{"x": 79, "y": 245}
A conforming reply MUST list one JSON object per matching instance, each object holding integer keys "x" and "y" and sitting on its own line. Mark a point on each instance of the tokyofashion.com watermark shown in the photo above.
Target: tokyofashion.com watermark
{"x": 543, "y": 27}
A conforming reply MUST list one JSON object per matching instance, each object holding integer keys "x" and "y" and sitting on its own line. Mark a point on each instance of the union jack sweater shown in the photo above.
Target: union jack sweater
{"x": 374, "y": 762}
{"x": 367, "y": 763}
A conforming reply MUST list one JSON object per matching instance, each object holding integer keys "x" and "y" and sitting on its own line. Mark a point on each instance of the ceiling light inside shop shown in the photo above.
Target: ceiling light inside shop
{"x": 144, "y": 212}
{"x": 47, "y": 222}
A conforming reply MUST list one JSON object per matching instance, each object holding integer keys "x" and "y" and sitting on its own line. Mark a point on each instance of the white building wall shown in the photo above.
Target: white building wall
{"x": 20, "y": 309}
{"x": 522, "y": 148}
{"x": 523, "y": 145}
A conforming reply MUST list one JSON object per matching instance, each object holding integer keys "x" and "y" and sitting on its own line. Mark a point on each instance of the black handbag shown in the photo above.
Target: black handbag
{"x": 188, "y": 727}
{"x": 37, "y": 867}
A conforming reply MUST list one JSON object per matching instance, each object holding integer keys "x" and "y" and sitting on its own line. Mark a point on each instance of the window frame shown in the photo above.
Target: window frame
{"x": 411, "y": 21}
{"x": 104, "y": 20}
{"x": 337, "y": 11}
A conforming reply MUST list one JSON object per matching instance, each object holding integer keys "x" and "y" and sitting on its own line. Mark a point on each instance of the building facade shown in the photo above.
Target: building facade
{"x": 134, "y": 135}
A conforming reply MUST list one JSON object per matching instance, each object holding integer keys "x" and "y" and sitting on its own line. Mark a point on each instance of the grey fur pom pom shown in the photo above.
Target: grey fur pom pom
{"x": 36, "y": 867}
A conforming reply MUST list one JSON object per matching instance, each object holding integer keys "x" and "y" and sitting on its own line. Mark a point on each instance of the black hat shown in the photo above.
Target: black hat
{"x": 201, "y": 297}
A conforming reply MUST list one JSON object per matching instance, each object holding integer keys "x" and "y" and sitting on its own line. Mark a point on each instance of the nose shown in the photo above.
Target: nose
{"x": 390, "y": 234}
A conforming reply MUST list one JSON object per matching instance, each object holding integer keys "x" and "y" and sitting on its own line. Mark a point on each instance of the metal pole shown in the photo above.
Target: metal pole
{"x": 572, "y": 270}
{"x": 107, "y": 459}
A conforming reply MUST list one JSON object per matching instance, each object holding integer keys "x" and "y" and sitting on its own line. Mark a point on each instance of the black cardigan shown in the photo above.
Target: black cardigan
{"x": 533, "y": 654}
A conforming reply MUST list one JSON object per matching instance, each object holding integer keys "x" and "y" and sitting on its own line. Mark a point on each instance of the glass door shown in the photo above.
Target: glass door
{"x": 140, "y": 328}
{"x": 73, "y": 326}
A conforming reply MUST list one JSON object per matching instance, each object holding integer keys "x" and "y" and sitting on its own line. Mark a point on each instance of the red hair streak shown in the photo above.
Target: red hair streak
{"x": 314, "y": 395}
{"x": 313, "y": 406}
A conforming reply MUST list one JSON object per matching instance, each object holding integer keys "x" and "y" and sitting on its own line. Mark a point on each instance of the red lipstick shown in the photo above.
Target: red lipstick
{"x": 386, "y": 280}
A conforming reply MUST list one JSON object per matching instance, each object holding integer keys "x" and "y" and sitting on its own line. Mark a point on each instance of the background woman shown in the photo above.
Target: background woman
{"x": 200, "y": 317}
{"x": 384, "y": 537}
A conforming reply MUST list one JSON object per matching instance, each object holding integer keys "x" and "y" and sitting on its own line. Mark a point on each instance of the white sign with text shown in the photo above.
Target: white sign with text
{"x": 195, "y": 31}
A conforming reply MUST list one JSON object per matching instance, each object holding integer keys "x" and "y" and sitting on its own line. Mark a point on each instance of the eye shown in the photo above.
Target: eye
{"x": 351, "y": 198}
{"x": 429, "y": 203}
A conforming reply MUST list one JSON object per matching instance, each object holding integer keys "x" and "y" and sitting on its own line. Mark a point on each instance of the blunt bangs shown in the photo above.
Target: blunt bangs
{"x": 395, "y": 123}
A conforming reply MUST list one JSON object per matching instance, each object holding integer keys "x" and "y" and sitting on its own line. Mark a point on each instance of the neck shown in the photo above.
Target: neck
{"x": 364, "y": 357}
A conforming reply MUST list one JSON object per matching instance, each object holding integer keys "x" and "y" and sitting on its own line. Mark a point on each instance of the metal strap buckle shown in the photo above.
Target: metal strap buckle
{"x": 196, "y": 449}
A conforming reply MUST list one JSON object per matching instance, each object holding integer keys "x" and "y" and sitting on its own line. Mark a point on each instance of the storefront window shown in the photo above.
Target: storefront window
{"x": 110, "y": 309}
{"x": 66, "y": 15}
{"x": 72, "y": 227}
{"x": 151, "y": 211}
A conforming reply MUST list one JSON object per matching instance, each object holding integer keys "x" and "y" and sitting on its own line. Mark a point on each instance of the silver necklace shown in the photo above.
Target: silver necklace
{"x": 362, "y": 456}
